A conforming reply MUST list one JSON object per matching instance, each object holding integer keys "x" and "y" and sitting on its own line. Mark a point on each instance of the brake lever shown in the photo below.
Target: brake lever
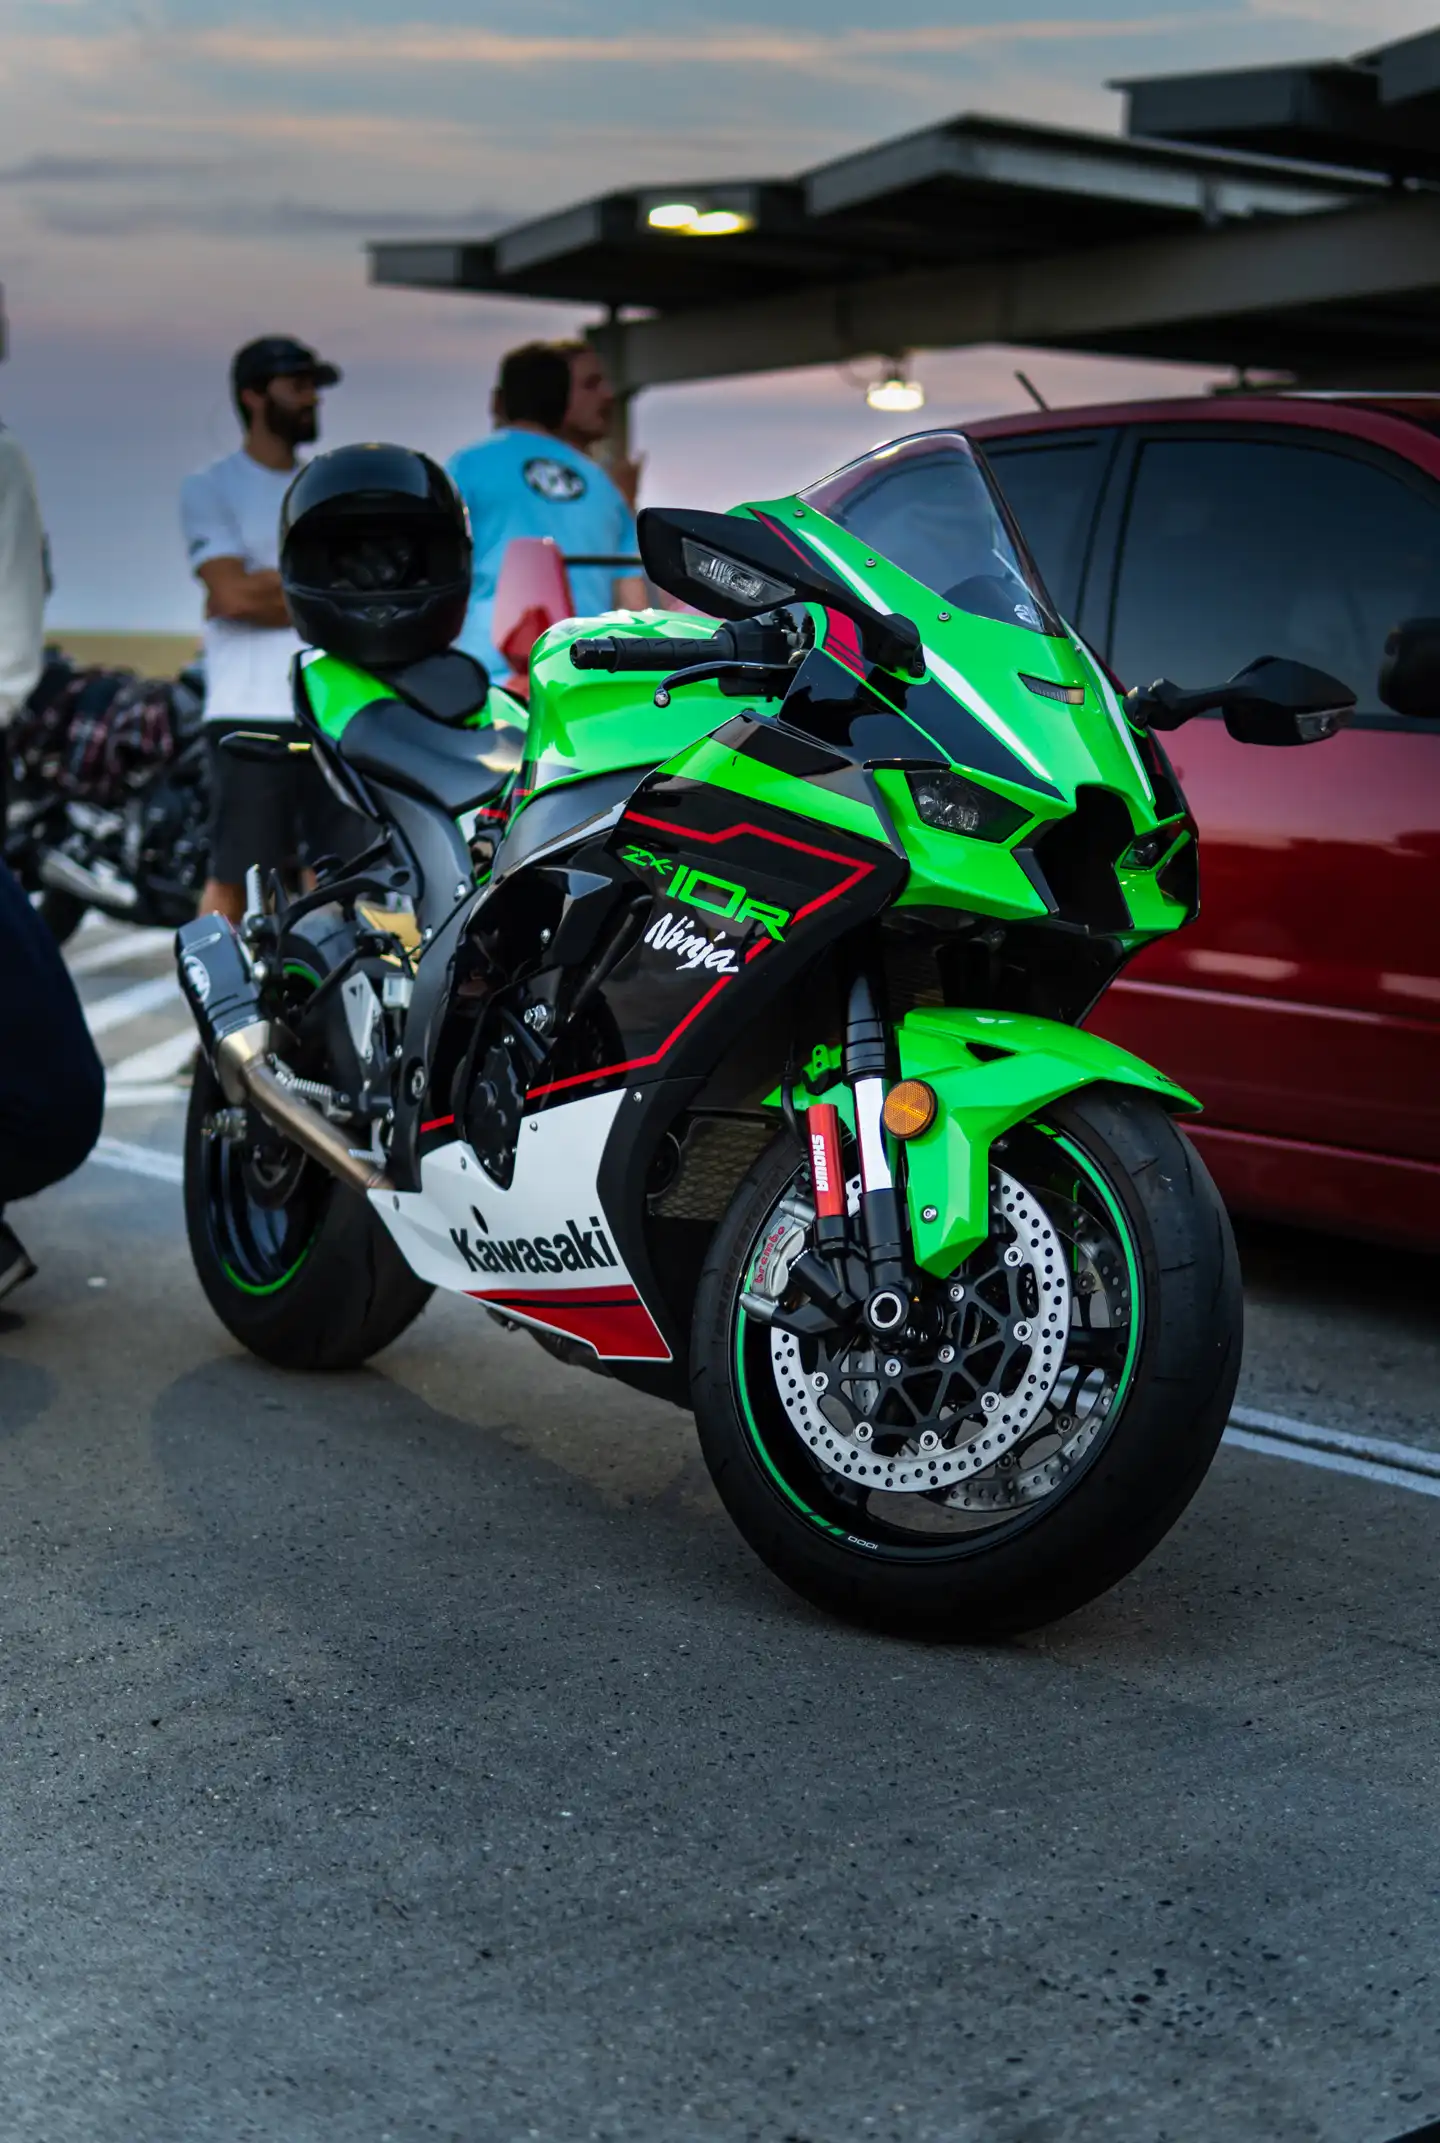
{"x": 698, "y": 671}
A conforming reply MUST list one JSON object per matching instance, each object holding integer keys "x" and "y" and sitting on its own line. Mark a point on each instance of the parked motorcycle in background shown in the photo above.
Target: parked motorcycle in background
{"x": 108, "y": 795}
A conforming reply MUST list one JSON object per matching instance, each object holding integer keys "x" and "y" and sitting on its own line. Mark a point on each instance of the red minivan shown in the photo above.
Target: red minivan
{"x": 1183, "y": 539}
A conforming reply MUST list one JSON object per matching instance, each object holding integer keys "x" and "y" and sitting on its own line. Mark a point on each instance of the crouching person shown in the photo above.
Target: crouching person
{"x": 52, "y": 1087}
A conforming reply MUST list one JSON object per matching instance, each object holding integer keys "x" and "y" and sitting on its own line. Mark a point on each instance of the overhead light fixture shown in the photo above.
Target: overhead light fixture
{"x": 894, "y": 394}
{"x": 688, "y": 220}
{"x": 719, "y": 223}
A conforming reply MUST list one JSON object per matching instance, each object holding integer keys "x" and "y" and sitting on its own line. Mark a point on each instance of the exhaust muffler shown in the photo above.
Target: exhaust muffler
{"x": 99, "y": 889}
{"x": 221, "y": 993}
{"x": 246, "y": 1072}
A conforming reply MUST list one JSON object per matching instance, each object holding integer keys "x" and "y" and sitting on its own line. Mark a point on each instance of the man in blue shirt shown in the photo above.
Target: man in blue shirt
{"x": 530, "y": 478}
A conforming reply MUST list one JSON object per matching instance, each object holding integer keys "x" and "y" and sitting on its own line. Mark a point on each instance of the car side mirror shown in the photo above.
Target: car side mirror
{"x": 1276, "y": 701}
{"x": 736, "y": 566}
{"x": 1410, "y": 667}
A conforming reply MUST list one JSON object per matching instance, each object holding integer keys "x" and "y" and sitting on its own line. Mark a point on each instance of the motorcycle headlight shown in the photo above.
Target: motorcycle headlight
{"x": 958, "y": 805}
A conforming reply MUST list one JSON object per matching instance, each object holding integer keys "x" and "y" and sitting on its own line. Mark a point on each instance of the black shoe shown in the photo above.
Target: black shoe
{"x": 16, "y": 1264}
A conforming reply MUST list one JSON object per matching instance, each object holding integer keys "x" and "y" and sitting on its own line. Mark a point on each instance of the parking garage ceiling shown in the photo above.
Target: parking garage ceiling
{"x": 1286, "y": 218}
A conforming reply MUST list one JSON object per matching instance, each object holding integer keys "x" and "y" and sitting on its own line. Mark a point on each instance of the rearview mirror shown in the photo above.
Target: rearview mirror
{"x": 1270, "y": 701}
{"x": 1276, "y": 701}
{"x": 738, "y": 566}
{"x": 1410, "y": 667}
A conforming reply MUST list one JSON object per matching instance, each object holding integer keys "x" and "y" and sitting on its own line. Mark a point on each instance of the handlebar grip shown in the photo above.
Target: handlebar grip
{"x": 621, "y": 651}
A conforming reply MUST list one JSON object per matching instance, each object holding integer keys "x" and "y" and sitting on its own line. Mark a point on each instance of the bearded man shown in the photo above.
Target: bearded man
{"x": 278, "y": 812}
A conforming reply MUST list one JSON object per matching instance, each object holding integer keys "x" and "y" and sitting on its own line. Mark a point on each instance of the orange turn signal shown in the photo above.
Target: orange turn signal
{"x": 909, "y": 1108}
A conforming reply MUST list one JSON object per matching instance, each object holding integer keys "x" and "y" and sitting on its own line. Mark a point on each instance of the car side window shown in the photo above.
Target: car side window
{"x": 1050, "y": 488}
{"x": 1236, "y": 548}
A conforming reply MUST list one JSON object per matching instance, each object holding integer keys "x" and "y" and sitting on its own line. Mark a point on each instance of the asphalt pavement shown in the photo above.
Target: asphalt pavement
{"x": 419, "y": 1753}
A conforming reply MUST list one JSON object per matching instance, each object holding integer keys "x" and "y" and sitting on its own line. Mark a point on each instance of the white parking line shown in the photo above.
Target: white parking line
{"x": 114, "y": 952}
{"x": 139, "y": 1160}
{"x": 124, "y": 1005}
{"x": 160, "y": 1061}
{"x": 148, "y": 1095}
{"x": 1367, "y": 1458}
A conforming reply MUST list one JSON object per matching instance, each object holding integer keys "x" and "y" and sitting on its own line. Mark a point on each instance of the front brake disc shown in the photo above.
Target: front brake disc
{"x": 924, "y": 1415}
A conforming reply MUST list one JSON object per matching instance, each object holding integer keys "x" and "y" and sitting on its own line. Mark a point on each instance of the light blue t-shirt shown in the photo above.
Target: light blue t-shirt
{"x": 530, "y": 484}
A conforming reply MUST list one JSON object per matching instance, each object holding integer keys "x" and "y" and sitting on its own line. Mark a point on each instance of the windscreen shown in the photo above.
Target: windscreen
{"x": 930, "y": 505}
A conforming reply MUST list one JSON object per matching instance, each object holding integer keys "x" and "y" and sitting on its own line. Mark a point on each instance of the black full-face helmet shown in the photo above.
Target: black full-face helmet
{"x": 375, "y": 555}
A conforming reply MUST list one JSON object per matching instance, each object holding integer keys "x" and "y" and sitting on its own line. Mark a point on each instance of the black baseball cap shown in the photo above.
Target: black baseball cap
{"x": 279, "y": 357}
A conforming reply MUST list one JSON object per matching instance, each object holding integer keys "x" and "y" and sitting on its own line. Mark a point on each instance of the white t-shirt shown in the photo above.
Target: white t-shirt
{"x": 22, "y": 579}
{"x": 232, "y": 510}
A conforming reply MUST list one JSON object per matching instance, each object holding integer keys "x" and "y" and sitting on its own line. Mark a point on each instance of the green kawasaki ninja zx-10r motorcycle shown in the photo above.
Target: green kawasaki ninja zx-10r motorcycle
{"x": 718, "y": 1021}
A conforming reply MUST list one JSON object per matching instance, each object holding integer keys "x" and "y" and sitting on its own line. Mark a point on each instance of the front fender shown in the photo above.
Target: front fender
{"x": 990, "y": 1070}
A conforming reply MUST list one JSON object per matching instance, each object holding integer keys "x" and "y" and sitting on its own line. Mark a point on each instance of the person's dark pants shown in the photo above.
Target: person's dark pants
{"x": 52, "y": 1085}
{"x": 274, "y": 812}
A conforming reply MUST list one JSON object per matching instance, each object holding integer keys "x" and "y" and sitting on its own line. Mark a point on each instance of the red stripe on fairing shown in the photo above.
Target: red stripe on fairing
{"x": 635, "y": 1063}
{"x": 681, "y": 833}
{"x": 781, "y": 840}
{"x": 438, "y": 1123}
{"x": 616, "y": 1295}
{"x": 842, "y": 635}
{"x": 842, "y": 640}
{"x": 767, "y": 521}
{"x": 614, "y": 1321}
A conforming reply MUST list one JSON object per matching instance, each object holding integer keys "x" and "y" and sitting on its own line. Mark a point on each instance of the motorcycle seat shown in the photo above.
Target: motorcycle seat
{"x": 452, "y": 767}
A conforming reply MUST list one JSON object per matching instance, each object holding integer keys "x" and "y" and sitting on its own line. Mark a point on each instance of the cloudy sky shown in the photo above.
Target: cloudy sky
{"x": 178, "y": 175}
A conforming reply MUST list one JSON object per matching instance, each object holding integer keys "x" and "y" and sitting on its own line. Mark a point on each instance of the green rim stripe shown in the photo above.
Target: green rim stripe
{"x": 1122, "y": 1234}
{"x": 272, "y": 1287}
{"x": 838, "y": 1531}
{"x": 267, "y": 1287}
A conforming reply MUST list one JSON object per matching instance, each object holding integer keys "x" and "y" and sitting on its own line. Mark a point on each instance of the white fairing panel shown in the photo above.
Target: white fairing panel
{"x": 541, "y": 1251}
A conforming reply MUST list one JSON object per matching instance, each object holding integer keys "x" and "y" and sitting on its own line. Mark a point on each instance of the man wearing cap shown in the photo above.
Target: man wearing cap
{"x": 263, "y": 810}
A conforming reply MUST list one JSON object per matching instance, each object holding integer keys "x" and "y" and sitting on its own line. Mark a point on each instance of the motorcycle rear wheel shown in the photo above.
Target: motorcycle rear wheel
{"x": 295, "y": 1265}
{"x": 1151, "y": 1324}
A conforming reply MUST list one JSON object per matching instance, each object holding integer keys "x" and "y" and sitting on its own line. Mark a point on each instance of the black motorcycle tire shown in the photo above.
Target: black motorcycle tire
{"x": 350, "y": 1293}
{"x": 1118, "y": 1506}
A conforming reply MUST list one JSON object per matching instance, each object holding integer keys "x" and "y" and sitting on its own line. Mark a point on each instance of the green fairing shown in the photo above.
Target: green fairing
{"x": 742, "y": 776}
{"x": 337, "y": 692}
{"x": 585, "y": 722}
{"x": 980, "y": 661}
{"x": 981, "y": 1097}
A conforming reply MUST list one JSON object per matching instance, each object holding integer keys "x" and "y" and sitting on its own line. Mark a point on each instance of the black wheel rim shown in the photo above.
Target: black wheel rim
{"x": 264, "y": 1201}
{"x": 1101, "y": 1350}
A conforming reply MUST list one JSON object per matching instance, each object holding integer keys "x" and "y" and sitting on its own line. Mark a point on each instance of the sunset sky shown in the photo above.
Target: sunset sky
{"x": 179, "y": 175}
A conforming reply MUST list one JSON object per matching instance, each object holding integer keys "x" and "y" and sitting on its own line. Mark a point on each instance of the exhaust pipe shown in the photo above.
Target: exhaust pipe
{"x": 245, "y": 1072}
{"x": 64, "y": 875}
{"x": 219, "y": 988}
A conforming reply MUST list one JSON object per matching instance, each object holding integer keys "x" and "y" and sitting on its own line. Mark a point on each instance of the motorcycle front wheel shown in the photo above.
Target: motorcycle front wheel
{"x": 1052, "y": 1408}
